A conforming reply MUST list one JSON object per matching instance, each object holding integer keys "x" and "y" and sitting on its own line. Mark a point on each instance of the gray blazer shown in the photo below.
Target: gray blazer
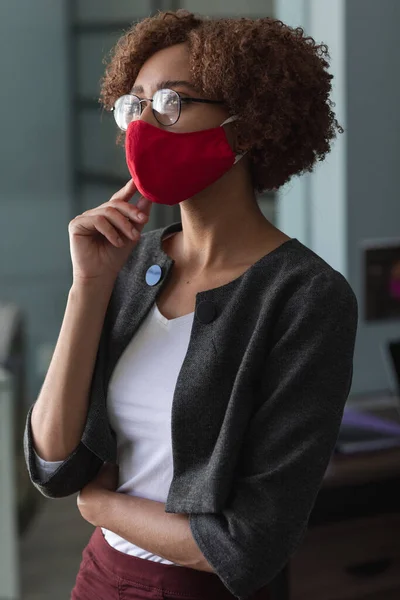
{"x": 257, "y": 405}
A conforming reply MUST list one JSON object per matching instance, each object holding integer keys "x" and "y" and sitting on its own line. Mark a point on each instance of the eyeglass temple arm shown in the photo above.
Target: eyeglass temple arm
{"x": 202, "y": 100}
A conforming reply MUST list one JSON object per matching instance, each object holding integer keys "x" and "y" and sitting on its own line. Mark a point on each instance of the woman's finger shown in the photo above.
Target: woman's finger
{"x": 126, "y": 192}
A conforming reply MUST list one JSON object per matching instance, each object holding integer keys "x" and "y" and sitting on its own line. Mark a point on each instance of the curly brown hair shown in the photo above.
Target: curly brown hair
{"x": 269, "y": 74}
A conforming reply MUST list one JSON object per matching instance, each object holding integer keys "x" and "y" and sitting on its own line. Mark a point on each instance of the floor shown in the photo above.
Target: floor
{"x": 50, "y": 550}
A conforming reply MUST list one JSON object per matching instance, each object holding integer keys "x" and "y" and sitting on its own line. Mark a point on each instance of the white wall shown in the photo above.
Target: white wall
{"x": 313, "y": 207}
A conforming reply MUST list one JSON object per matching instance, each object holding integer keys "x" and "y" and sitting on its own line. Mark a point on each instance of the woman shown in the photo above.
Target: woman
{"x": 210, "y": 359}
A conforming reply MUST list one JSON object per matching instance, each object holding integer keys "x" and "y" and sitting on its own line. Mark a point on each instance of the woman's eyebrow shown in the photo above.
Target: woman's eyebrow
{"x": 168, "y": 83}
{"x": 176, "y": 82}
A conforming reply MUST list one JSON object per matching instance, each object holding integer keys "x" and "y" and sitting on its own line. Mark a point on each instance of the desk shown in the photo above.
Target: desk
{"x": 352, "y": 546}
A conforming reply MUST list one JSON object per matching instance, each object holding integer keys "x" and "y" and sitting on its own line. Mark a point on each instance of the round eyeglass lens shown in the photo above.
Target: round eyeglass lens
{"x": 166, "y": 105}
{"x": 126, "y": 109}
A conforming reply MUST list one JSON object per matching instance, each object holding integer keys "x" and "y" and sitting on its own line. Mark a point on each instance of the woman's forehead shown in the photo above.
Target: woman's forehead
{"x": 168, "y": 64}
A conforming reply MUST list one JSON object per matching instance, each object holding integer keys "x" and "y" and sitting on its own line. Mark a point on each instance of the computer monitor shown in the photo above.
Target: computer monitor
{"x": 391, "y": 357}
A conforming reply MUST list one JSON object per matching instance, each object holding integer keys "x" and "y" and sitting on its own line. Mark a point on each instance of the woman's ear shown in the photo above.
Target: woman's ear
{"x": 236, "y": 145}
{"x": 232, "y": 137}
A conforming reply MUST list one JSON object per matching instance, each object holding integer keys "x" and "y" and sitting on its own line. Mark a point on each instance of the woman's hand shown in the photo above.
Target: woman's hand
{"x": 95, "y": 250}
{"x": 92, "y": 498}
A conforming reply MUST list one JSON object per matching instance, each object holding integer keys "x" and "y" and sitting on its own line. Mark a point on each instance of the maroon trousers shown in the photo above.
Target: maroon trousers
{"x": 108, "y": 574}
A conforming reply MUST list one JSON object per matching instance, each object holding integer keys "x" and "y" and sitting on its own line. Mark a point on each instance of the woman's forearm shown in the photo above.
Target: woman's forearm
{"x": 145, "y": 523}
{"x": 59, "y": 414}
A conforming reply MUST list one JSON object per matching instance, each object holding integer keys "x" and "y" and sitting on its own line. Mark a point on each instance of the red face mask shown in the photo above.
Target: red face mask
{"x": 168, "y": 167}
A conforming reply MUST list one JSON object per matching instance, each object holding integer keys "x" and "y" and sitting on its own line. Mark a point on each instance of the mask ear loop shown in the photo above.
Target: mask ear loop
{"x": 229, "y": 120}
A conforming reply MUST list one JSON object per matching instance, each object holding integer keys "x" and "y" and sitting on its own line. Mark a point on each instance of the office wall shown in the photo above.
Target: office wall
{"x": 373, "y": 158}
{"x": 34, "y": 171}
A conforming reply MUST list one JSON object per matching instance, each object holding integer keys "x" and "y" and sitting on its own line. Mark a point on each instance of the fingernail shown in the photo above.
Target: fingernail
{"x": 141, "y": 216}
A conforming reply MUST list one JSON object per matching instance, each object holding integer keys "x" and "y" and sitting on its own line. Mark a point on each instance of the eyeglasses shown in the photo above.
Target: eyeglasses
{"x": 166, "y": 107}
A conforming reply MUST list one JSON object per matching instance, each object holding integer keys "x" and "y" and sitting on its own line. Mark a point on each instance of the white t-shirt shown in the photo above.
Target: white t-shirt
{"x": 139, "y": 403}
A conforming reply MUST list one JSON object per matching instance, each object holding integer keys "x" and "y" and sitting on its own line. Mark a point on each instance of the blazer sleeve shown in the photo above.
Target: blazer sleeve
{"x": 289, "y": 440}
{"x": 80, "y": 467}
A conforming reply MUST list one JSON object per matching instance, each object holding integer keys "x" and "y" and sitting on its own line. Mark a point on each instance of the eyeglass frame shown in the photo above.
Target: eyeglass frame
{"x": 184, "y": 100}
